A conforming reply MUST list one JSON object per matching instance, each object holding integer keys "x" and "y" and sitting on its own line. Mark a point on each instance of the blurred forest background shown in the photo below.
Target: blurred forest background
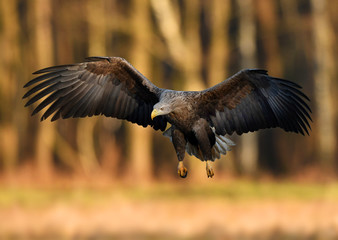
{"x": 179, "y": 44}
{"x": 184, "y": 45}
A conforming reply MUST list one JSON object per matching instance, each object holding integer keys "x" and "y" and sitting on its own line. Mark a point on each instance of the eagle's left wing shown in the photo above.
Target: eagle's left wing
{"x": 252, "y": 100}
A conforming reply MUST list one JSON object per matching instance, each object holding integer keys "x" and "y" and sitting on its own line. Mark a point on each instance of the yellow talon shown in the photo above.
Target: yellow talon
{"x": 210, "y": 171}
{"x": 181, "y": 170}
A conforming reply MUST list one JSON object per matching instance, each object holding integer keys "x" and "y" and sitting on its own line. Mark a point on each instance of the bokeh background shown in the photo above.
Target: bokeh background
{"x": 101, "y": 178}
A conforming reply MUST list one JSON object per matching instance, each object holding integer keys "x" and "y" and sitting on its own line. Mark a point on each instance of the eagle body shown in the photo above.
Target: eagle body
{"x": 181, "y": 104}
{"x": 200, "y": 120}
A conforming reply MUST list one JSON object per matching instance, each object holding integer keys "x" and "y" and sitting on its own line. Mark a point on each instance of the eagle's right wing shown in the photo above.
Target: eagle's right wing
{"x": 101, "y": 86}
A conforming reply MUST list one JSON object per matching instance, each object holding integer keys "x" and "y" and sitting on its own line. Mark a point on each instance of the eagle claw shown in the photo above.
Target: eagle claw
{"x": 210, "y": 171}
{"x": 182, "y": 171}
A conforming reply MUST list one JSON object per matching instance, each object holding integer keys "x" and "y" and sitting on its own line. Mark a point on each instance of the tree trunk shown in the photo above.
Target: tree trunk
{"x": 323, "y": 77}
{"x": 9, "y": 43}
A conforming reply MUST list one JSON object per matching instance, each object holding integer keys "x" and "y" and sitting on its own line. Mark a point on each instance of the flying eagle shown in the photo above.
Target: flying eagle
{"x": 200, "y": 120}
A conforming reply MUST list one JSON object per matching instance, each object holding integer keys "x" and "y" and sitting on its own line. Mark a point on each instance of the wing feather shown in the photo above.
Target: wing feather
{"x": 252, "y": 100}
{"x": 100, "y": 86}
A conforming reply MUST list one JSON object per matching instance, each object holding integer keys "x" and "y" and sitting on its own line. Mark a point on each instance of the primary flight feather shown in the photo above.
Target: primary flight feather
{"x": 200, "y": 120}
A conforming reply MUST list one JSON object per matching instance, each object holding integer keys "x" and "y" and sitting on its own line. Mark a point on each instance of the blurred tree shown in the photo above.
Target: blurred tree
{"x": 201, "y": 40}
{"x": 167, "y": 19}
{"x": 9, "y": 43}
{"x": 219, "y": 53}
{"x": 193, "y": 53}
{"x": 323, "y": 77}
{"x": 267, "y": 20}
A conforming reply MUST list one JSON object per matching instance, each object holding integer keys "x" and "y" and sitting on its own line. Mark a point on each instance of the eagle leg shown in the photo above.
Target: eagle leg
{"x": 210, "y": 171}
{"x": 179, "y": 142}
{"x": 182, "y": 170}
{"x": 206, "y": 139}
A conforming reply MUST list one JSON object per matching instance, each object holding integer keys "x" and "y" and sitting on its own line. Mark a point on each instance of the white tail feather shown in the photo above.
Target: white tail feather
{"x": 222, "y": 145}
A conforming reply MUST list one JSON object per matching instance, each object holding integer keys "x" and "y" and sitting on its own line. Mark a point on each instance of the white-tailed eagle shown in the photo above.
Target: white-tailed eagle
{"x": 200, "y": 120}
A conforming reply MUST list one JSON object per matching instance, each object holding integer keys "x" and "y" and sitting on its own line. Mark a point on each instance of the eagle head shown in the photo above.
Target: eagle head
{"x": 161, "y": 108}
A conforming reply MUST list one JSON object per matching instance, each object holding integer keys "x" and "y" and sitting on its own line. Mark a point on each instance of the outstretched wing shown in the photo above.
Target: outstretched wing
{"x": 252, "y": 100}
{"x": 101, "y": 86}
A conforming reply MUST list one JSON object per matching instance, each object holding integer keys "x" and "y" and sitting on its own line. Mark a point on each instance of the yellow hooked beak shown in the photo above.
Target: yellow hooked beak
{"x": 154, "y": 114}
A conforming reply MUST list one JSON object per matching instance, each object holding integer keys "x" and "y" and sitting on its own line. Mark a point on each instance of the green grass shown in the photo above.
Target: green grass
{"x": 231, "y": 191}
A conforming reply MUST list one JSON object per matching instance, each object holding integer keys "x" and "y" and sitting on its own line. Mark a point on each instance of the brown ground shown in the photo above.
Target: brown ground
{"x": 176, "y": 218}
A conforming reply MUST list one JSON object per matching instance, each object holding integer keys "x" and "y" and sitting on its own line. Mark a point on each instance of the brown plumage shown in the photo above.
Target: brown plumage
{"x": 248, "y": 101}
